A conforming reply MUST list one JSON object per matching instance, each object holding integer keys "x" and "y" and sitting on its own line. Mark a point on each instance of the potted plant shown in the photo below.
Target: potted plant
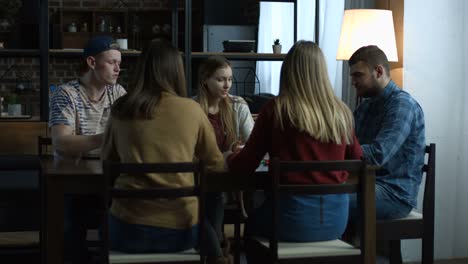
{"x": 8, "y": 12}
{"x": 14, "y": 108}
{"x": 276, "y": 46}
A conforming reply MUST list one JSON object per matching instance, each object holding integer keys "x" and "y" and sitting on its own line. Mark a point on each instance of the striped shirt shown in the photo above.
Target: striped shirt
{"x": 390, "y": 128}
{"x": 71, "y": 106}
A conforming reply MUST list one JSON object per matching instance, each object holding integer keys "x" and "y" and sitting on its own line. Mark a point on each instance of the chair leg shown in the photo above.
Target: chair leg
{"x": 427, "y": 250}
{"x": 237, "y": 236}
{"x": 395, "y": 252}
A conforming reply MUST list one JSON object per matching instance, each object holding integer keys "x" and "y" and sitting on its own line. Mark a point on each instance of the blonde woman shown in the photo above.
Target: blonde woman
{"x": 229, "y": 115}
{"x": 306, "y": 121}
{"x": 232, "y": 122}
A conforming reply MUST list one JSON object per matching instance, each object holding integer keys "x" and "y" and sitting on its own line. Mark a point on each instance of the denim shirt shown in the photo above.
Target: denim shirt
{"x": 390, "y": 128}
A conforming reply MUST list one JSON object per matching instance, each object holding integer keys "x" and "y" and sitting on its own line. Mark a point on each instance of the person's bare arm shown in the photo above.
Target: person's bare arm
{"x": 65, "y": 142}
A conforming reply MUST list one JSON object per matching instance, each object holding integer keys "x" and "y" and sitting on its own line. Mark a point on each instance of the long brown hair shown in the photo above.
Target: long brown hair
{"x": 307, "y": 99}
{"x": 159, "y": 69}
{"x": 207, "y": 68}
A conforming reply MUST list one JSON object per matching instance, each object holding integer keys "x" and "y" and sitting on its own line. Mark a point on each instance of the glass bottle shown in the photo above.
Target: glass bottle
{"x": 102, "y": 26}
{"x": 84, "y": 27}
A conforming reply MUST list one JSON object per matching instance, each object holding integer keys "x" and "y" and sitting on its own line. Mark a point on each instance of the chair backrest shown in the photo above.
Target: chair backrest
{"x": 20, "y": 191}
{"x": 44, "y": 145}
{"x": 429, "y": 186}
{"x": 113, "y": 169}
{"x": 364, "y": 187}
{"x": 256, "y": 101}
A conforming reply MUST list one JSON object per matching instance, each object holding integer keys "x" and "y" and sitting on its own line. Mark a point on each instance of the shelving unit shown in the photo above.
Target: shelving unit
{"x": 231, "y": 56}
{"x": 241, "y": 56}
{"x": 19, "y": 77}
{"x": 78, "y": 25}
{"x": 183, "y": 32}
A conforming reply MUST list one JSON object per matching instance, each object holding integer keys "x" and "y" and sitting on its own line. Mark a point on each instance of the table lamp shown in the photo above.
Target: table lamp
{"x": 363, "y": 27}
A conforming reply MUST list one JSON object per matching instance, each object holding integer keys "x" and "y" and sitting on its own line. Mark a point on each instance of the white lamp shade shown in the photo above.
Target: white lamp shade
{"x": 363, "y": 27}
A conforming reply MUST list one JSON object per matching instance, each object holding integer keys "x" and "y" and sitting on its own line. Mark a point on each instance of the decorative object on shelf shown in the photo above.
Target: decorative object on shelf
{"x": 235, "y": 45}
{"x": 84, "y": 27}
{"x": 276, "y": 46}
{"x": 4, "y": 25}
{"x": 72, "y": 27}
{"x": 2, "y": 45}
{"x": 166, "y": 30}
{"x": 102, "y": 25}
{"x": 1, "y": 106}
{"x": 123, "y": 43}
{"x": 14, "y": 109}
{"x": 156, "y": 29}
{"x": 8, "y": 13}
{"x": 23, "y": 82}
{"x": 119, "y": 29}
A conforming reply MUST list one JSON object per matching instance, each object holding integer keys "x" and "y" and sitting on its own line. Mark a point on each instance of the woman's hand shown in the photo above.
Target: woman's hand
{"x": 236, "y": 146}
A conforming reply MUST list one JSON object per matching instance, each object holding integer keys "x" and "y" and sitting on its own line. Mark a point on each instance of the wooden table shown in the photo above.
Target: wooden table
{"x": 60, "y": 178}
{"x": 86, "y": 177}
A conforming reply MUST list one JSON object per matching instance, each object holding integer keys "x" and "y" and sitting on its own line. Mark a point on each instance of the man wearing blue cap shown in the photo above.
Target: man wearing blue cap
{"x": 80, "y": 108}
{"x": 79, "y": 111}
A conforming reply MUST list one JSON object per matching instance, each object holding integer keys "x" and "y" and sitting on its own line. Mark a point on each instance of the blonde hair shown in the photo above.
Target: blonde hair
{"x": 207, "y": 68}
{"x": 306, "y": 97}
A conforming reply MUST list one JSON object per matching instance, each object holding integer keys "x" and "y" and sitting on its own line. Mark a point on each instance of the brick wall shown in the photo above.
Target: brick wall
{"x": 64, "y": 69}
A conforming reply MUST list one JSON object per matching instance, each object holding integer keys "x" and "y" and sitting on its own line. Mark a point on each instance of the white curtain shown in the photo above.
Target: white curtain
{"x": 276, "y": 21}
{"x": 331, "y": 16}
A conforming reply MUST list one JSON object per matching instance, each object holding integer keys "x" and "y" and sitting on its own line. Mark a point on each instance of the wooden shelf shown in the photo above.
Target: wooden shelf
{"x": 79, "y": 52}
{"x": 241, "y": 56}
{"x": 19, "y": 52}
{"x": 195, "y": 55}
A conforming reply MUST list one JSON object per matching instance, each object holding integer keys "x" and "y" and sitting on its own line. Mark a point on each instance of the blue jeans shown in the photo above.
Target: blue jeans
{"x": 302, "y": 218}
{"x": 387, "y": 205}
{"x": 133, "y": 238}
{"x": 214, "y": 219}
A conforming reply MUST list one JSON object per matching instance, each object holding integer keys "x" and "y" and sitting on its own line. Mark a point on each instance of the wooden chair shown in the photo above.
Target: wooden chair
{"x": 44, "y": 146}
{"x": 234, "y": 214}
{"x": 336, "y": 251}
{"x": 20, "y": 197}
{"x": 415, "y": 225}
{"x": 113, "y": 169}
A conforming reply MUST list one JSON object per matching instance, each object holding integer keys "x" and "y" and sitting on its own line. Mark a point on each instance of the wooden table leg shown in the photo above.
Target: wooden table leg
{"x": 54, "y": 222}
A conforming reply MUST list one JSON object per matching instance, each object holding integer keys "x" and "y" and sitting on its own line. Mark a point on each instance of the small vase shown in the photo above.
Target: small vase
{"x": 276, "y": 49}
{"x": 4, "y": 25}
{"x": 72, "y": 28}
